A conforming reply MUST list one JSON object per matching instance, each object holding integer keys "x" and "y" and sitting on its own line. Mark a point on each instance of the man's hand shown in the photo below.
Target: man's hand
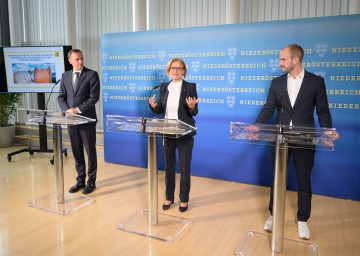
{"x": 333, "y": 134}
{"x": 251, "y": 128}
{"x": 252, "y": 132}
{"x": 72, "y": 111}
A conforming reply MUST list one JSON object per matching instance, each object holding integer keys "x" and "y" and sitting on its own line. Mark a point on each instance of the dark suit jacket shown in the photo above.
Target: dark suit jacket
{"x": 312, "y": 95}
{"x": 84, "y": 97}
{"x": 184, "y": 112}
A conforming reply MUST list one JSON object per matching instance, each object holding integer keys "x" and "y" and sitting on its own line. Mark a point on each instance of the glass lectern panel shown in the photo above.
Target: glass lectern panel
{"x": 293, "y": 136}
{"x": 57, "y": 202}
{"x": 49, "y": 118}
{"x": 160, "y": 127}
{"x": 282, "y": 138}
{"x": 149, "y": 222}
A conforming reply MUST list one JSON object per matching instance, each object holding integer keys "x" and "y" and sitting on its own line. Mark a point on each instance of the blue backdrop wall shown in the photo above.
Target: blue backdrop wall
{"x": 233, "y": 66}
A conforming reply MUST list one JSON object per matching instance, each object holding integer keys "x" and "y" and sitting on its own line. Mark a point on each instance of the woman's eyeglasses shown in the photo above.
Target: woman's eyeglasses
{"x": 176, "y": 68}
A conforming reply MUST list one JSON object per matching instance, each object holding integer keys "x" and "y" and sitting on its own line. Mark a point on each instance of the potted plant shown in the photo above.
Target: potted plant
{"x": 8, "y": 106}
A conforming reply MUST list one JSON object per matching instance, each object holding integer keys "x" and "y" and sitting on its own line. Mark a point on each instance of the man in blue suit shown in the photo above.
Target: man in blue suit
{"x": 79, "y": 92}
{"x": 296, "y": 95}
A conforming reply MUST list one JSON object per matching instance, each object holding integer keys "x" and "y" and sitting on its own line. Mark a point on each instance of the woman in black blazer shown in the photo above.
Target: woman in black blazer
{"x": 177, "y": 100}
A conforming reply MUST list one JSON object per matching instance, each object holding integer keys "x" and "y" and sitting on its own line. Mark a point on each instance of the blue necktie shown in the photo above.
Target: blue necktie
{"x": 76, "y": 80}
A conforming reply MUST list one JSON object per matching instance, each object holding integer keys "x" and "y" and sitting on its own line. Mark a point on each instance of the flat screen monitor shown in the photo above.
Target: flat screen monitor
{"x": 32, "y": 69}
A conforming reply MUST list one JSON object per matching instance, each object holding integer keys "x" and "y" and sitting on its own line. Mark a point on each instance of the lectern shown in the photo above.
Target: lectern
{"x": 149, "y": 222}
{"x": 282, "y": 137}
{"x": 56, "y": 202}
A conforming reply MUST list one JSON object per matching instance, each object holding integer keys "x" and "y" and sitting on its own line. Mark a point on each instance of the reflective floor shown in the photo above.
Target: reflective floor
{"x": 220, "y": 213}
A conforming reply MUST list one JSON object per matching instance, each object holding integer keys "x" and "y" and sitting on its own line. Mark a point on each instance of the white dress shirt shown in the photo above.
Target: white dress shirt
{"x": 173, "y": 99}
{"x": 293, "y": 87}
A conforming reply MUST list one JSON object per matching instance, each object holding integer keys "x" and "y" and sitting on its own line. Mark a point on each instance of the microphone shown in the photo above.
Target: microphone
{"x": 280, "y": 129}
{"x": 43, "y": 121}
{"x": 143, "y": 119}
{"x": 51, "y": 93}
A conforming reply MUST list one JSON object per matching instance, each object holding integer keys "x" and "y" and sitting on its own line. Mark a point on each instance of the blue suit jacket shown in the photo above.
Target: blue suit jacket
{"x": 184, "y": 112}
{"x": 312, "y": 95}
{"x": 84, "y": 97}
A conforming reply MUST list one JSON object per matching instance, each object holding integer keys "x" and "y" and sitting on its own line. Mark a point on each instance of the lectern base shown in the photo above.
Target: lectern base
{"x": 168, "y": 228}
{"x": 255, "y": 243}
{"x": 49, "y": 203}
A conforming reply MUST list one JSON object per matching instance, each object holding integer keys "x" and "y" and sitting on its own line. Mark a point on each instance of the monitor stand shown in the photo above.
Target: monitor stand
{"x": 43, "y": 148}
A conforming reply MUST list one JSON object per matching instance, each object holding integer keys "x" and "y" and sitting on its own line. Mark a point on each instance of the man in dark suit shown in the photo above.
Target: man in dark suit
{"x": 296, "y": 95}
{"x": 178, "y": 100}
{"x": 79, "y": 92}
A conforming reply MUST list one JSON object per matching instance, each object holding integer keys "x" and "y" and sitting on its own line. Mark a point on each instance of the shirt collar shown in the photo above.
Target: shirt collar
{"x": 77, "y": 71}
{"x": 301, "y": 75}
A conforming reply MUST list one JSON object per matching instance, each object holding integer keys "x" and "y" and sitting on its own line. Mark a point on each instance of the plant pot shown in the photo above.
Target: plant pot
{"x": 7, "y": 135}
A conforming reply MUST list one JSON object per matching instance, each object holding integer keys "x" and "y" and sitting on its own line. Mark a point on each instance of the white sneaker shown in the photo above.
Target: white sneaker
{"x": 268, "y": 224}
{"x": 303, "y": 229}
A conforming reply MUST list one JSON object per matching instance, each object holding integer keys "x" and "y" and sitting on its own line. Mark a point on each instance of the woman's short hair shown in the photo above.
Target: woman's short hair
{"x": 168, "y": 65}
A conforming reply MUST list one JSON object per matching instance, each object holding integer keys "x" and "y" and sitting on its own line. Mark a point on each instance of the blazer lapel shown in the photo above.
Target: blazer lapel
{"x": 302, "y": 90}
{"x": 68, "y": 82}
{"x": 182, "y": 92}
{"x": 286, "y": 100}
{"x": 166, "y": 94}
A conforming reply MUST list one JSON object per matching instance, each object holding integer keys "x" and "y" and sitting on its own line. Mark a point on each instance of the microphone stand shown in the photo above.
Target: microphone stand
{"x": 143, "y": 119}
{"x": 51, "y": 93}
{"x": 43, "y": 121}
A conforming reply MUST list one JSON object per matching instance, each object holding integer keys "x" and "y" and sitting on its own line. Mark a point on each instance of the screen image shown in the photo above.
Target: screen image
{"x": 32, "y": 69}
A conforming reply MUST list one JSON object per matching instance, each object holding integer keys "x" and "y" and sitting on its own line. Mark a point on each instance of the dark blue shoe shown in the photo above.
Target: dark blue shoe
{"x": 183, "y": 208}
{"x": 76, "y": 187}
{"x": 89, "y": 188}
{"x": 167, "y": 206}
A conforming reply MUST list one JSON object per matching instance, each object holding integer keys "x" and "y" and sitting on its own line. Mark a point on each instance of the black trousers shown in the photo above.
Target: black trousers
{"x": 84, "y": 136}
{"x": 184, "y": 148}
{"x": 304, "y": 162}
